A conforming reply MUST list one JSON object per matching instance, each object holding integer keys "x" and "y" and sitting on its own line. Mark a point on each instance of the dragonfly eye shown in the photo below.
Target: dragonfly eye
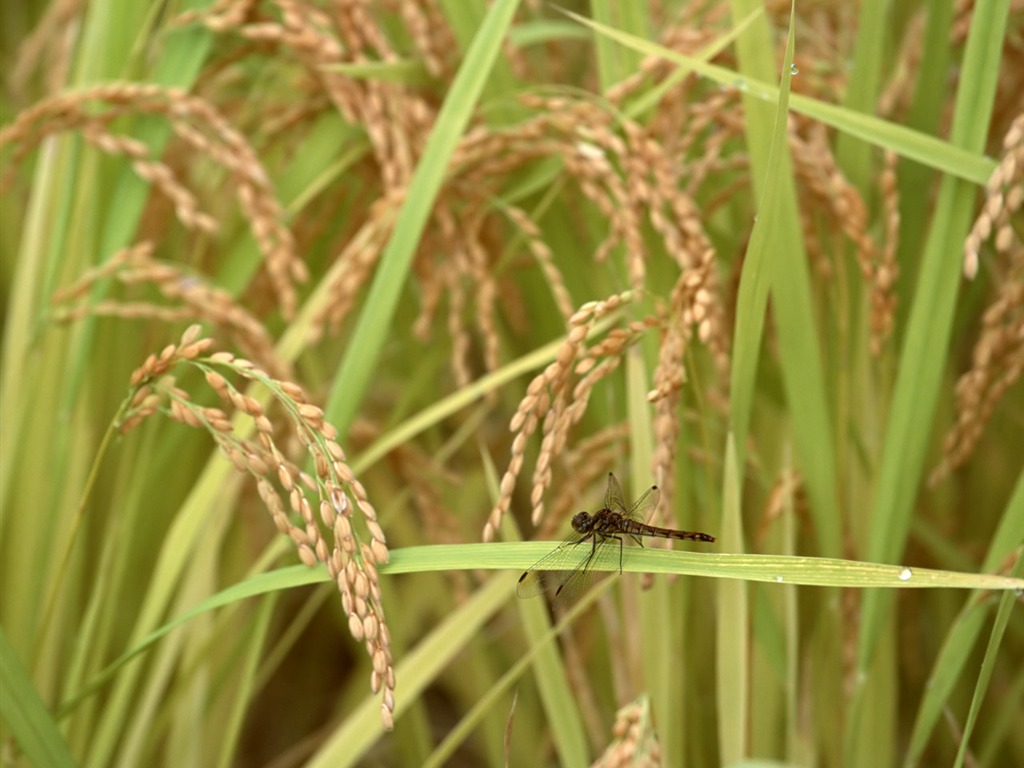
{"x": 580, "y": 521}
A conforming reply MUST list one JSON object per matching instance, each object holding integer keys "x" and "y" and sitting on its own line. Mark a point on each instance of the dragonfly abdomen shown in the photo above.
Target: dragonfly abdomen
{"x": 635, "y": 528}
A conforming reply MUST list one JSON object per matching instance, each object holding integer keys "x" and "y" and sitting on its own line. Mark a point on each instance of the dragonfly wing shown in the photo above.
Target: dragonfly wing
{"x": 560, "y": 585}
{"x": 645, "y": 505}
{"x": 613, "y": 498}
{"x": 550, "y": 572}
{"x": 607, "y": 552}
{"x": 566, "y": 571}
{"x": 534, "y": 582}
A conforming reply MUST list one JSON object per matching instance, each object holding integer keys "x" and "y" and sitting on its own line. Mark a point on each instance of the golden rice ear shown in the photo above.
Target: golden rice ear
{"x": 322, "y": 530}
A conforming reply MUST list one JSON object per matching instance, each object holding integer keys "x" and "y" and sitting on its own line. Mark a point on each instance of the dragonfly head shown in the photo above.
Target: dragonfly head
{"x": 581, "y": 522}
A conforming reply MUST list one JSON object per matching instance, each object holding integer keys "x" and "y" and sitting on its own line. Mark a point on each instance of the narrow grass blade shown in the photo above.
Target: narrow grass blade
{"x": 924, "y": 352}
{"x": 560, "y": 707}
{"x": 25, "y": 714}
{"x": 959, "y": 642}
{"x": 785, "y": 259}
{"x": 465, "y": 396}
{"x": 374, "y": 324}
{"x": 1006, "y": 605}
{"x": 732, "y": 640}
{"x": 538, "y": 644}
{"x": 862, "y": 94}
{"x": 261, "y": 584}
{"x": 615, "y": 63}
{"x": 925, "y": 348}
{"x": 348, "y": 745}
{"x": 928, "y": 150}
{"x": 252, "y": 653}
{"x": 778, "y": 569}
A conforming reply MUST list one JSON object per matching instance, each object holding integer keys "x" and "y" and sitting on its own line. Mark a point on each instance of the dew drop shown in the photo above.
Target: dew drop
{"x": 905, "y": 574}
{"x": 740, "y": 85}
{"x": 778, "y": 579}
{"x": 793, "y": 69}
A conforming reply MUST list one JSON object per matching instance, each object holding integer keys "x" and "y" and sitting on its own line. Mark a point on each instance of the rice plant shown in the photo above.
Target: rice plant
{"x": 322, "y": 319}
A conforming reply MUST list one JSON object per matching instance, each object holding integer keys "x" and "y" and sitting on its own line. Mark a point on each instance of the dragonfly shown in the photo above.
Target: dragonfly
{"x": 568, "y": 568}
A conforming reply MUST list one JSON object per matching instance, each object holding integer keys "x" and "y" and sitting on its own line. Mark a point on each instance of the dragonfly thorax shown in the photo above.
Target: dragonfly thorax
{"x": 582, "y": 522}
